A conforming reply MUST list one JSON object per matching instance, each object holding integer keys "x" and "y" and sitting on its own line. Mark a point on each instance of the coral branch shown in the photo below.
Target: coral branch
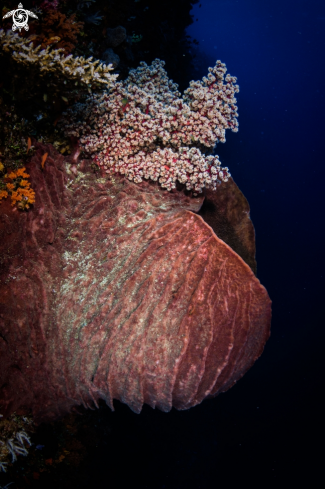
{"x": 91, "y": 73}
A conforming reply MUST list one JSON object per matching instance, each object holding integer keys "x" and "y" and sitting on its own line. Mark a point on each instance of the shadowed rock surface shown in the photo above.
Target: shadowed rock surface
{"x": 227, "y": 212}
{"x": 112, "y": 290}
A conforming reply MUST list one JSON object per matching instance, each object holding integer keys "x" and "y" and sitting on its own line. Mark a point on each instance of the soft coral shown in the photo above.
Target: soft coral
{"x": 19, "y": 189}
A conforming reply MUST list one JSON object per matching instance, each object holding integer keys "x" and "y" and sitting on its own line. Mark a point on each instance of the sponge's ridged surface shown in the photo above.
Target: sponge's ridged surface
{"x": 121, "y": 292}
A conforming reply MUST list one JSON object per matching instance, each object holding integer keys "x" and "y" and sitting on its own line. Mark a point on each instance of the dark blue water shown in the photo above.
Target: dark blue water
{"x": 276, "y": 49}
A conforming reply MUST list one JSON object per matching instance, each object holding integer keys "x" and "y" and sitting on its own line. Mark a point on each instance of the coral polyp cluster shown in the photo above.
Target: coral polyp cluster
{"x": 143, "y": 128}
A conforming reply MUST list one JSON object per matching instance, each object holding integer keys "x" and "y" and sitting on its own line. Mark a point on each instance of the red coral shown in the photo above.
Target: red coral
{"x": 56, "y": 28}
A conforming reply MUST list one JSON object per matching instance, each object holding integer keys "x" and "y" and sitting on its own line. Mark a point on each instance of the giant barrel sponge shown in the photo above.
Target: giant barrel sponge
{"x": 116, "y": 290}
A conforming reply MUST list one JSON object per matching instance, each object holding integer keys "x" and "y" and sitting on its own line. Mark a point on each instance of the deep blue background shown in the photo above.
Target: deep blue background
{"x": 276, "y": 49}
{"x": 267, "y": 430}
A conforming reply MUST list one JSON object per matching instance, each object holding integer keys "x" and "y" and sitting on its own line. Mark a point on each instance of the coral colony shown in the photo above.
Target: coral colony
{"x": 14, "y": 440}
{"x": 19, "y": 449}
{"x": 11, "y": 447}
{"x": 142, "y": 128}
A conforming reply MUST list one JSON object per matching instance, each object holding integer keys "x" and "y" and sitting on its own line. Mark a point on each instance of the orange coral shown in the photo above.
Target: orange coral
{"x": 22, "y": 173}
{"x": 12, "y": 175}
{"x": 24, "y": 196}
{"x": 43, "y": 160}
{"x": 57, "y": 28}
{"x": 24, "y": 183}
{"x": 3, "y": 194}
{"x": 19, "y": 189}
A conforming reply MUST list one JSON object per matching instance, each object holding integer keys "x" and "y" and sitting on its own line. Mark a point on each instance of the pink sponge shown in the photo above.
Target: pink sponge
{"x": 116, "y": 290}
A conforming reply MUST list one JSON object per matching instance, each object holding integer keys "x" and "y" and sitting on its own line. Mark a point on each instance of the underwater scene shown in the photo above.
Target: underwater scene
{"x": 161, "y": 204}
